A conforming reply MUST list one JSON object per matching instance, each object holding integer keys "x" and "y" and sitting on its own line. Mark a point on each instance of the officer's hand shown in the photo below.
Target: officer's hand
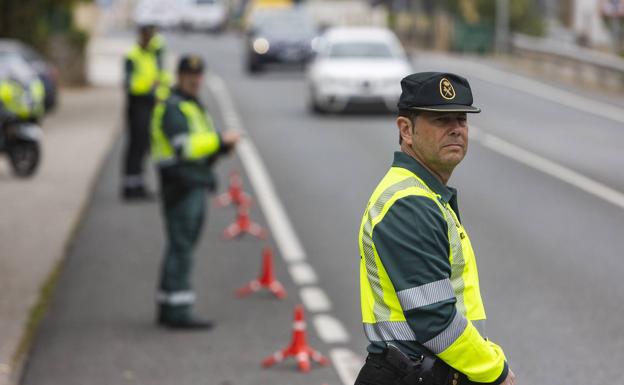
{"x": 230, "y": 138}
{"x": 510, "y": 380}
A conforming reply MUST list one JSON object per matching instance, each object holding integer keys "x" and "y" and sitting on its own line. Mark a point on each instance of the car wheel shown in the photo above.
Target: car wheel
{"x": 253, "y": 67}
{"x": 24, "y": 157}
{"x": 313, "y": 106}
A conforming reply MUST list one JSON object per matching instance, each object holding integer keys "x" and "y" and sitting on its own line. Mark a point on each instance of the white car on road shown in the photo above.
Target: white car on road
{"x": 205, "y": 15}
{"x": 356, "y": 66}
{"x": 165, "y": 14}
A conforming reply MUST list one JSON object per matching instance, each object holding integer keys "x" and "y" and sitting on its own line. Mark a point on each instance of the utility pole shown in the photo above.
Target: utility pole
{"x": 503, "y": 35}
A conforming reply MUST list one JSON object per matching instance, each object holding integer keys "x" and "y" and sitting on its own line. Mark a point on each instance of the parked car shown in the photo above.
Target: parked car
{"x": 356, "y": 67}
{"x": 205, "y": 15}
{"x": 280, "y": 35}
{"x": 46, "y": 71}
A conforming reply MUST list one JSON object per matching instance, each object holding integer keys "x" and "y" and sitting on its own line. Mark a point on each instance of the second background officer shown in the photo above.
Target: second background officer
{"x": 184, "y": 146}
{"x": 144, "y": 75}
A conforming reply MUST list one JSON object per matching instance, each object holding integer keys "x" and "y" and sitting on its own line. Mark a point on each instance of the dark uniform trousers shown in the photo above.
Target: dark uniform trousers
{"x": 139, "y": 116}
{"x": 183, "y": 208}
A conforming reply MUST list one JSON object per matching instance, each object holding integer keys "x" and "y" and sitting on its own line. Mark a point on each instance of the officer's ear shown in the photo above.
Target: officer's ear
{"x": 406, "y": 129}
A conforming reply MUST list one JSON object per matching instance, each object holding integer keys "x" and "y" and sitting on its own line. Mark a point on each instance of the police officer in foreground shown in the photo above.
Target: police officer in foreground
{"x": 421, "y": 304}
{"x": 185, "y": 146}
{"x": 145, "y": 81}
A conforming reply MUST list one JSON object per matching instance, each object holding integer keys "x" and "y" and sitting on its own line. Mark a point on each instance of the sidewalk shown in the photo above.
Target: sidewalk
{"x": 40, "y": 215}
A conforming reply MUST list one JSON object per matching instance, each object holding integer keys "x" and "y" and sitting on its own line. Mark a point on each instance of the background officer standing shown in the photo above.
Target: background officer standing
{"x": 145, "y": 81}
{"x": 421, "y": 304}
{"x": 184, "y": 147}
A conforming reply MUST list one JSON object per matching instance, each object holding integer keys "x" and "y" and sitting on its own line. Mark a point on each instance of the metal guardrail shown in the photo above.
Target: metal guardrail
{"x": 608, "y": 67}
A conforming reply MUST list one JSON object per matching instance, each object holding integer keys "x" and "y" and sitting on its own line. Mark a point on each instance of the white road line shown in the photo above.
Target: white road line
{"x": 544, "y": 91}
{"x": 548, "y": 167}
{"x": 314, "y": 299}
{"x": 281, "y": 227}
{"x": 347, "y": 364}
{"x": 330, "y": 329}
{"x": 302, "y": 273}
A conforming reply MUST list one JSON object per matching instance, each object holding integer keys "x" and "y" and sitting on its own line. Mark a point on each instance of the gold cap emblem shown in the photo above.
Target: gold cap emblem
{"x": 446, "y": 89}
{"x": 194, "y": 62}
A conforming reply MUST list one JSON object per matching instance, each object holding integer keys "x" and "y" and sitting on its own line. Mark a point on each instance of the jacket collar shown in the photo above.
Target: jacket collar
{"x": 405, "y": 161}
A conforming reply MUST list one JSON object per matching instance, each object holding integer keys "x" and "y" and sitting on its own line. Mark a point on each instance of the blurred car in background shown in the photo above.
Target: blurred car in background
{"x": 359, "y": 67}
{"x": 253, "y": 10}
{"x": 164, "y": 14}
{"x": 46, "y": 71}
{"x": 280, "y": 35}
{"x": 205, "y": 15}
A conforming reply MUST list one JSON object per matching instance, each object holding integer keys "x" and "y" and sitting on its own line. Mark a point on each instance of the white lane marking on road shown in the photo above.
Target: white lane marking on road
{"x": 330, "y": 329}
{"x": 548, "y": 167}
{"x": 315, "y": 299}
{"x": 347, "y": 364}
{"x": 544, "y": 91}
{"x": 302, "y": 273}
{"x": 282, "y": 229}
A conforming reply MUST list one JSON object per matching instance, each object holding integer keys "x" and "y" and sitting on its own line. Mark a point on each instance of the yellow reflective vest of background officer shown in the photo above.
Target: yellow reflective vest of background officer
{"x": 419, "y": 279}
{"x": 184, "y": 148}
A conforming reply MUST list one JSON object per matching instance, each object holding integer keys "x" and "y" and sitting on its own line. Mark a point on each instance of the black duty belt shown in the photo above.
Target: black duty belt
{"x": 426, "y": 370}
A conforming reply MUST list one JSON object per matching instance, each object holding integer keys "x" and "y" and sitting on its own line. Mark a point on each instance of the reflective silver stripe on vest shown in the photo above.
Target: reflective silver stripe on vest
{"x": 458, "y": 264}
{"x": 380, "y": 308}
{"x": 442, "y": 341}
{"x": 426, "y": 295}
{"x": 480, "y": 326}
{"x": 180, "y": 140}
{"x": 176, "y": 298}
{"x": 389, "y": 331}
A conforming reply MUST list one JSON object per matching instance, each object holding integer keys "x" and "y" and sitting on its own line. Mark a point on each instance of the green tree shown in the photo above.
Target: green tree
{"x": 34, "y": 21}
{"x": 525, "y": 14}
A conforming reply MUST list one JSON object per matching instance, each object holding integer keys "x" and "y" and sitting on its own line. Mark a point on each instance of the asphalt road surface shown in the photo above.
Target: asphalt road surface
{"x": 540, "y": 193}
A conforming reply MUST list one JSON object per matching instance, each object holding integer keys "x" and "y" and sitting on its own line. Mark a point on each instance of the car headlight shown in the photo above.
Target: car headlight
{"x": 261, "y": 46}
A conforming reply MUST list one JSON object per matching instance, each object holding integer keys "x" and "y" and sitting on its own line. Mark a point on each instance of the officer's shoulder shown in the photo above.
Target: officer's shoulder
{"x": 422, "y": 206}
{"x": 173, "y": 100}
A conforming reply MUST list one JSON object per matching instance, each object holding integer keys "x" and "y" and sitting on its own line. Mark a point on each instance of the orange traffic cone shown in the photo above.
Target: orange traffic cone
{"x": 235, "y": 194}
{"x": 266, "y": 278}
{"x": 244, "y": 224}
{"x": 298, "y": 348}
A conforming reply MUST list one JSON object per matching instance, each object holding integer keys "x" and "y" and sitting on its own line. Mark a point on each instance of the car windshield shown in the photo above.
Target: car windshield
{"x": 360, "y": 50}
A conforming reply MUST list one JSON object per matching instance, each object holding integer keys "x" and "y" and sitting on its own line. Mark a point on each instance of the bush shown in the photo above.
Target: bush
{"x": 34, "y": 21}
{"x": 525, "y": 15}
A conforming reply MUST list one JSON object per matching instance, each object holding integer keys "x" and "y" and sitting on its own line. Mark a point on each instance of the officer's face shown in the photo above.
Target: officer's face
{"x": 439, "y": 139}
{"x": 146, "y": 35}
{"x": 190, "y": 83}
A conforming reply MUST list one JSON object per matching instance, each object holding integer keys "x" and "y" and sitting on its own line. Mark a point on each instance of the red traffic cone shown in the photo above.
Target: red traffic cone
{"x": 244, "y": 224}
{"x": 266, "y": 278}
{"x": 298, "y": 348}
{"x": 235, "y": 194}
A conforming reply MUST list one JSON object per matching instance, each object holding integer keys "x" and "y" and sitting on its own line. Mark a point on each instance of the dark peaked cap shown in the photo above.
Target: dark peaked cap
{"x": 191, "y": 64}
{"x": 436, "y": 91}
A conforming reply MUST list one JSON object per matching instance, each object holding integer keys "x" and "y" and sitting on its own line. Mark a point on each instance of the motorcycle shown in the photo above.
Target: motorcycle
{"x": 21, "y": 141}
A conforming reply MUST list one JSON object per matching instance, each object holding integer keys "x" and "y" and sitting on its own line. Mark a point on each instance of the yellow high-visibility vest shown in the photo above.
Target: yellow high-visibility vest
{"x": 199, "y": 142}
{"x": 145, "y": 72}
{"x": 384, "y": 309}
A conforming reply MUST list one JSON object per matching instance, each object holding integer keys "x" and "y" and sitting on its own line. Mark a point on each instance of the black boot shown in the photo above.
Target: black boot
{"x": 180, "y": 317}
{"x": 140, "y": 193}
